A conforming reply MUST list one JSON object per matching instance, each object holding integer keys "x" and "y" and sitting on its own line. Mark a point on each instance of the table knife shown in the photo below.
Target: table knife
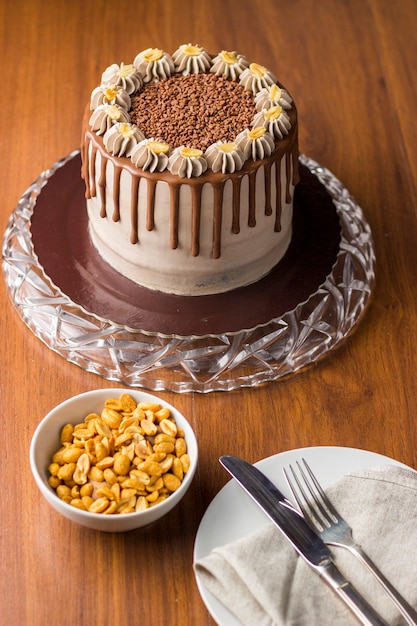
{"x": 305, "y": 541}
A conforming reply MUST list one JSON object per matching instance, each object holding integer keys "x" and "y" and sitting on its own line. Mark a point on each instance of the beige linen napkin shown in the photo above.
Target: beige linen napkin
{"x": 263, "y": 582}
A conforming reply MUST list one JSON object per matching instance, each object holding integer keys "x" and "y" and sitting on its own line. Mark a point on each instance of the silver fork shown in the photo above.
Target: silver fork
{"x": 319, "y": 512}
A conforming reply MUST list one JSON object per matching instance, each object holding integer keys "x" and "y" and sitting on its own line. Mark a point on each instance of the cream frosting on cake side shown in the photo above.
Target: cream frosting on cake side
{"x": 204, "y": 216}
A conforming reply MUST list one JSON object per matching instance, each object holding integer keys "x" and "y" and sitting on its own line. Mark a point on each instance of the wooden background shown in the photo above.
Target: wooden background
{"x": 350, "y": 66}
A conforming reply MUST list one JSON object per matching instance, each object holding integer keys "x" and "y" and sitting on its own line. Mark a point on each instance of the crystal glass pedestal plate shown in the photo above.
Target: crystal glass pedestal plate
{"x": 182, "y": 362}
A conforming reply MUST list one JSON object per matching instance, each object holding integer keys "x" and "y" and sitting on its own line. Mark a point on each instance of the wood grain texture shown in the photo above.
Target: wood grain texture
{"x": 350, "y": 66}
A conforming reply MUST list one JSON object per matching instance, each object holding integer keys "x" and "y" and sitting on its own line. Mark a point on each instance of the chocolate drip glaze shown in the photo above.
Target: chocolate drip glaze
{"x": 174, "y": 191}
{"x": 236, "y": 182}
{"x": 134, "y": 236}
{"x": 150, "y": 209}
{"x": 268, "y": 206}
{"x": 196, "y": 213}
{"x": 286, "y": 149}
{"x": 116, "y": 194}
{"x": 278, "y": 209}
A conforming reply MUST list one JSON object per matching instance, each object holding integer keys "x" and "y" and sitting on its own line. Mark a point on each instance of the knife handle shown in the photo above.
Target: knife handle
{"x": 352, "y": 598}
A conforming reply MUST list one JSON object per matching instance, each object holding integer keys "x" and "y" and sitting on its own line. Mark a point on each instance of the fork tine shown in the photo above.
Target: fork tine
{"x": 312, "y": 493}
{"x": 303, "y": 501}
{"x": 325, "y": 502}
{"x": 294, "y": 492}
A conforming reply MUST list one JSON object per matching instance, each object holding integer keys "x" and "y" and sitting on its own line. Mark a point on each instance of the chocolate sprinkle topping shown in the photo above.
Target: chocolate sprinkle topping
{"x": 194, "y": 111}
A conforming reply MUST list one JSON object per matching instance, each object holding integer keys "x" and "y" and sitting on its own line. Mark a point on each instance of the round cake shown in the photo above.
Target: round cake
{"x": 190, "y": 163}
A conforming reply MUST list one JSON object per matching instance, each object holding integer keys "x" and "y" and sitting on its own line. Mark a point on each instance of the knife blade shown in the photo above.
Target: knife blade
{"x": 302, "y": 537}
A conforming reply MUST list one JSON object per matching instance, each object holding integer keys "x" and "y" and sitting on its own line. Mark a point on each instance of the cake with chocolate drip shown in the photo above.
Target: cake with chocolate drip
{"x": 190, "y": 163}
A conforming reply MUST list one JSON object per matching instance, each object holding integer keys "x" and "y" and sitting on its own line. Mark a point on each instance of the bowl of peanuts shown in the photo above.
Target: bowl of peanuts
{"x": 113, "y": 460}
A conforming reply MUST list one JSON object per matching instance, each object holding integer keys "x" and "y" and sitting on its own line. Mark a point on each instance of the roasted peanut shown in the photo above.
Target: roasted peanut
{"x": 109, "y": 476}
{"x": 162, "y": 414}
{"x": 111, "y": 418}
{"x": 165, "y": 447}
{"x": 105, "y": 463}
{"x": 54, "y": 469}
{"x": 112, "y": 508}
{"x": 105, "y": 492}
{"x": 127, "y": 403}
{"x": 86, "y": 490}
{"x": 99, "y": 505}
{"x": 63, "y": 490}
{"x": 180, "y": 446}
{"x": 95, "y": 474}
{"x": 121, "y": 464}
{"x": 114, "y": 404}
{"x": 141, "y": 504}
{"x": 66, "y": 433}
{"x": 82, "y": 469}
{"x": 125, "y": 459}
{"x": 66, "y": 471}
{"x": 168, "y": 427}
{"x": 71, "y": 455}
{"x": 177, "y": 468}
{"x": 185, "y": 462}
{"x": 150, "y": 467}
{"x": 78, "y": 503}
{"x": 171, "y": 482}
{"x": 54, "y": 481}
{"x": 155, "y": 485}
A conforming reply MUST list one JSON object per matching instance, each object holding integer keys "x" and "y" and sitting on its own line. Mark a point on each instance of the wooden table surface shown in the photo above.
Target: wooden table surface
{"x": 350, "y": 66}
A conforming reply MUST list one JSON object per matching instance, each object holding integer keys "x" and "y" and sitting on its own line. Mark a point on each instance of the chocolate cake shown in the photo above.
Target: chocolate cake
{"x": 190, "y": 163}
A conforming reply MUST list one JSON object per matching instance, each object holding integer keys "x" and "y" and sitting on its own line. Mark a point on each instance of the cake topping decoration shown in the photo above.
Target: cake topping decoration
{"x": 105, "y": 115}
{"x": 258, "y": 70}
{"x": 228, "y": 57}
{"x": 187, "y": 162}
{"x": 151, "y": 155}
{"x": 158, "y": 147}
{"x": 241, "y": 115}
{"x": 225, "y": 157}
{"x": 177, "y": 109}
{"x": 257, "y": 133}
{"x": 256, "y": 77}
{"x": 229, "y": 64}
{"x": 125, "y": 76}
{"x": 272, "y": 96}
{"x": 191, "y": 59}
{"x": 110, "y": 94}
{"x": 153, "y": 54}
{"x": 121, "y": 138}
{"x": 275, "y": 119}
{"x": 256, "y": 143}
{"x": 190, "y": 153}
{"x": 154, "y": 64}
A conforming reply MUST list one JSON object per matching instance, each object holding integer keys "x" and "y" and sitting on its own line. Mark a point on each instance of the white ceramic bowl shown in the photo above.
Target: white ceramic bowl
{"x": 46, "y": 441}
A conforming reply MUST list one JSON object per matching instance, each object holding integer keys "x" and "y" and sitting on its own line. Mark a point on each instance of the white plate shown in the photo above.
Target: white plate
{"x": 233, "y": 514}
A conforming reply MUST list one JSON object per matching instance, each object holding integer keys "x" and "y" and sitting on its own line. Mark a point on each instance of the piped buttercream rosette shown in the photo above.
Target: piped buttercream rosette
{"x": 256, "y": 143}
{"x": 122, "y": 75}
{"x": 121, "y": 138}
{"x": 272, "y": 96}
{"x": 151, "y": 154}
{"x": 256, "y": 77}
{"x": 275, "y": 120}
{"x": 187, "y": 162}
{"x": 110, "y": 94}
{"x": 105, "y": 115}
{"x": 189, "y": 59}
{"x": 229, "y": 64}
{"x": 154, "y": 64}
{"x": 225, "y": 157}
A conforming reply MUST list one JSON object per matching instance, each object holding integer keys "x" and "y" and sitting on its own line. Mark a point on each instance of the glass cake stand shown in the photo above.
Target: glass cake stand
{"x": 220, "y": 361}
